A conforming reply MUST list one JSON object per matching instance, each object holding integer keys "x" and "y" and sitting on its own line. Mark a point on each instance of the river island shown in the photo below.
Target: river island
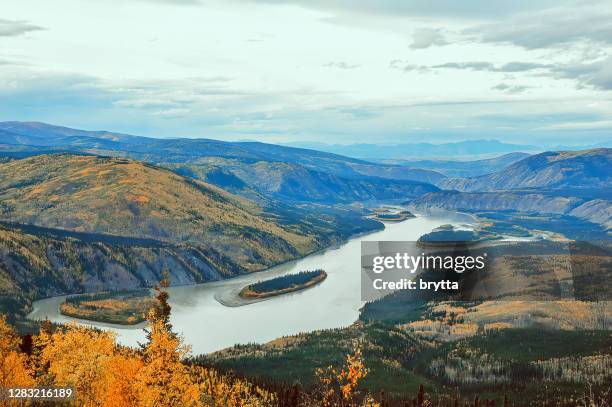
{"x": 119, "y": 307}
{"x": 283, "y": 284}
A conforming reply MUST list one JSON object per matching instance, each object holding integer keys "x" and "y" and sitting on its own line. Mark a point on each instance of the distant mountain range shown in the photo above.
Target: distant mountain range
{"x": 407, "y": 152}
{"x": 471, "y": 168}
{"x": 286, "y": 173}
{"x": 468, "y": 149}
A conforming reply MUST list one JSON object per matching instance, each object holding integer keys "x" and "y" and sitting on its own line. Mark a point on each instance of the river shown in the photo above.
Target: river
{"x": 207, "y": 325}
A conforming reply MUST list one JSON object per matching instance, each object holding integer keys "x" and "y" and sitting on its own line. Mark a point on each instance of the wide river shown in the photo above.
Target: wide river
{"x": 207, "y": 325}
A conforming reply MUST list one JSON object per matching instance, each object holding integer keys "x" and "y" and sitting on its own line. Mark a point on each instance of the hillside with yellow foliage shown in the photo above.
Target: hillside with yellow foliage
{"x": 130, "y": 198}
{"x": 79, "y": 223}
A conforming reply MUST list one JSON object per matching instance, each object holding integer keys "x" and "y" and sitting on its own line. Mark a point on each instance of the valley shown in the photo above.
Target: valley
{"x": 263, "y": 203}
{"x": 93, "y": 212}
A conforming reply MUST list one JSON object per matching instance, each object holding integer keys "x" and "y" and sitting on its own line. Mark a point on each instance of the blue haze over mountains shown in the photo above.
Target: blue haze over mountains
{"x": 461, "y": 150}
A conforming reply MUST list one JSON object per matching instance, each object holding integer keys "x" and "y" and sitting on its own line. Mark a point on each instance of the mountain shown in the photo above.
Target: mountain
{"x": 191, "y": 151}
{"x": 469, "y": 168}
{"x": 416, "y": 151}
{"x": 36, "y": 133}
{"x": 339, "y": 165}
{"x": 530, "y": 209}
{"x": 250, "y": 169}
{"x": 292, "y": 182}
{"x": 586, "y": 169}
{"x": 121, "y": 197}
{"x": 576, "y": 184}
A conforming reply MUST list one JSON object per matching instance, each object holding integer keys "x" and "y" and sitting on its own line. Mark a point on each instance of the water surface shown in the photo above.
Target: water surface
{"x": 208, "y": 325}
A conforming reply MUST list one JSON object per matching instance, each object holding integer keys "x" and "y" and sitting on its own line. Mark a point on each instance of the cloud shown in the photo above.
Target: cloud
{"x": 584, "y": 125}
{"x": 175, "y": 2}
{"x": 357, "y": 112}
{"x": 510, "y": 89}
{"x": 474, "y": 66}
{"x": 549, "y": 28}
{"x": 596, "y": 74}
{"x": 167, "y": 108}
{"x": 427, "y": 37}
{"x": 341, "y": 65}
{"x": 408, "y": 67}
{"x": 469, "y": 9}
{"x": 13, "y": 28}
{"x": 510, "y": 67}
{"x": 175, "y": 112}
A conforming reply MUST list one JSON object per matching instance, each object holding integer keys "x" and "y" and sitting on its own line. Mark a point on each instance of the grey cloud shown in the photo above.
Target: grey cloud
{"x": 510, "y": 89}
{"x": 487, "y": 66}
{"x": 474, "y": 66}
{"x": 426, "y": 8}
{"x": 341, "y": 65}
{"x": 549, "y": 28}
{"x": 596, "y": 74}
{"x": 407, "y": 67}
{"x": 12, "y": 28}
{"x": 521, "y": 67}
{"x": 510, "y": 67}
{"x": 427, "y": 37}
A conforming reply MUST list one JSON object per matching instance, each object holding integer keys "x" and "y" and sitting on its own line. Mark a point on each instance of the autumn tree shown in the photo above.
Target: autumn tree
{"x": 39, "y": 366}
{"x": 339, "y": 388}
{"x": 14, "y": 368}
{"x": 81, "y": 358}
{"x": 123, "y": 388}
{"x": 164, "y": 379}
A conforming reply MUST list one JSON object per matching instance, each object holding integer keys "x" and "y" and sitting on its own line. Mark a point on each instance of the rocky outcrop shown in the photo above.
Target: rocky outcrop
{"x": 596, "y": 211}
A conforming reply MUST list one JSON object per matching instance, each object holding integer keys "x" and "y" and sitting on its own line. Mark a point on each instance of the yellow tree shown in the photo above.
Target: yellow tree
{"x": 164, "y": 379}
{"x": 81, "y": 358}
{"x": 39, "y": 367}
{"x": 122, "y": 379}
{"x": 14, "y": 368}
{"x": 339, "y": 388}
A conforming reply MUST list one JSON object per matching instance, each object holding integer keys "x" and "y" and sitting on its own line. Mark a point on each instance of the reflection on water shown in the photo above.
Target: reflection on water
{"x": 208, "y": 326}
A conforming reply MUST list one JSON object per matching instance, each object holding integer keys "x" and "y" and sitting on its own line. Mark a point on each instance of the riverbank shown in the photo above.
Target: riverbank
{"x": 208, "y": 320}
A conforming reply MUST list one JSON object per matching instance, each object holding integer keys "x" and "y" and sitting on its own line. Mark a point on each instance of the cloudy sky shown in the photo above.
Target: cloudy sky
{"x": 335, "y": 71}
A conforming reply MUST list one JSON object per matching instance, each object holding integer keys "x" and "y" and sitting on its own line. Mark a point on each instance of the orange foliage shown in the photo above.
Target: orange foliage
{"x": 104, "y": 374}
{"x": 82, "y": 359}
{"x": 163, "y": 378}
{"x": 340, "y": 388}
{"x": 14, "y": 370}
{"x": 141, "y": 199}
